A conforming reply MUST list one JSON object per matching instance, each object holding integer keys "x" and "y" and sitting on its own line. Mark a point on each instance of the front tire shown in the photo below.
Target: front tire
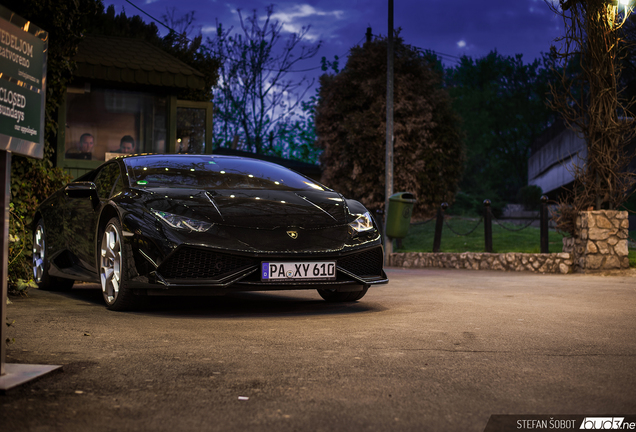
{"x": 333, "y": 296}
{"x": 41, "y": 274}
{"x": 112, "y": 265}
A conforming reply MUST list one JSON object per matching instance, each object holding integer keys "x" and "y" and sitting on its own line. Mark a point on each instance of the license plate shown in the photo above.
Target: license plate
{"x": 291, "y": 271}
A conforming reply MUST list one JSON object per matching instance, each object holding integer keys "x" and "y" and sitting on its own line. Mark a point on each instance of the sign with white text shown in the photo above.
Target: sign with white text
{"x": 23, "y": 48}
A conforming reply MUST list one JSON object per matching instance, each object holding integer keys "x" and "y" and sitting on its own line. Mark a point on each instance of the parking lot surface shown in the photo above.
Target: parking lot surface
{"x": 434, "y": 350}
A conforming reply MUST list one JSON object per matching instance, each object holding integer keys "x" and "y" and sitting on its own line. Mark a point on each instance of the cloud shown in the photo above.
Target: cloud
{"x": 304, "y": 11}
{"x": 293, "y": 19}
{"x": 208, "y": 29}
{"x": 555, "y": 3}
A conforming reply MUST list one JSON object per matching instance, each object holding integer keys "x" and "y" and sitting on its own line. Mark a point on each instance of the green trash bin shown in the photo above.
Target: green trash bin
{"x": 398, "y": 217}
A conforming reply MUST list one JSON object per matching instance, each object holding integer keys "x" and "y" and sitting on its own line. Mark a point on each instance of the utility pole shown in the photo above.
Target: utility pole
{"x": 388, "y": 243}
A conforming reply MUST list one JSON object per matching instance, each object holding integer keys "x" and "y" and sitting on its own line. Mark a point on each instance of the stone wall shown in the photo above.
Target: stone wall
{"x": 601, "y": 245}
{"x": 511, "y": 261}
{"x": 602, "y": 240}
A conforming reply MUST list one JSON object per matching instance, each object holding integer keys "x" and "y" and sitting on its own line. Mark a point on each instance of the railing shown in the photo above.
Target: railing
{"x": 487, "y": 219}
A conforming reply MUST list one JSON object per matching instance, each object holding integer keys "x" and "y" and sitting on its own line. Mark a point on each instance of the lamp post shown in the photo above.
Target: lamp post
{"x": 388, "y": 181}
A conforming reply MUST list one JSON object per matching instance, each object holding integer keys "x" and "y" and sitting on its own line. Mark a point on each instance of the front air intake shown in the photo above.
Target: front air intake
{"x": 366, "y": 263}
{"x": 196, "y": 263}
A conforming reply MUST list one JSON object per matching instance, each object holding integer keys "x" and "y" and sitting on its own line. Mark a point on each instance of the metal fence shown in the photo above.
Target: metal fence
{"x": 487, "y": 219}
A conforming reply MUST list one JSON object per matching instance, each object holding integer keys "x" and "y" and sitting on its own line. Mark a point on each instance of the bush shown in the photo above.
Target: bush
{"x": 530, "y": 197}
{"x": 469, "y": 205}
{"x": 630, "y": 203}
{"x": 464, "y": 205}
{"x": 32, "y": 181}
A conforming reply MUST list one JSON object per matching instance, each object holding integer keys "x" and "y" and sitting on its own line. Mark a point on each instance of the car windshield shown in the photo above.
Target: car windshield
{"x": 210, "y": 172}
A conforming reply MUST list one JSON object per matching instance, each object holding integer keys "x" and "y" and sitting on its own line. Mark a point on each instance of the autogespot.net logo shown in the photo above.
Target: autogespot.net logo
{"x": 607, "y": 423}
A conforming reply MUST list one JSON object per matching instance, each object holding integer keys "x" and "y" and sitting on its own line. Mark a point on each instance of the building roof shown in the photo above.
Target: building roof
{"x": 133, "y": 61}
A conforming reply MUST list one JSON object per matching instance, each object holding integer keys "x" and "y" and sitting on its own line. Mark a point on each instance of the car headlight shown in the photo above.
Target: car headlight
{"x": 182, "y": 222}
{"x": 362, "y": 223}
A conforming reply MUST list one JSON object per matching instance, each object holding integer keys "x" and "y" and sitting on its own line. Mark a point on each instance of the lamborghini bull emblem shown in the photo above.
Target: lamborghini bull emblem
{"x": 293, "y": 234}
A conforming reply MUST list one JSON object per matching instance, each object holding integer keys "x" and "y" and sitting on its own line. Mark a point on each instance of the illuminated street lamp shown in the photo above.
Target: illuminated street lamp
{"x": 627, "y": 10}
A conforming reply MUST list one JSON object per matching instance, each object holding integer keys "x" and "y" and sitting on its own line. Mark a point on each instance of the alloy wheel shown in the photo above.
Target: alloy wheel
{"x": 110, "y": 263}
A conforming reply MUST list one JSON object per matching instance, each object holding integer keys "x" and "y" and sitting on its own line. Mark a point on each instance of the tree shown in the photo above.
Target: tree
{"x": 297, "y": 133}
{"x": 109, "y": 23}
{"x": 190, "y": 50}
{"x": 502, "y": 102}
{"x": 257, "y": 96}
{"x": 351, "y": 128}
{"x": 296, "y": 136}
{"x": 591, "y": 102}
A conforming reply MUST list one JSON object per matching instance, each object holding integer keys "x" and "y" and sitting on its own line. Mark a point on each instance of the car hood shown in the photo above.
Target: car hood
{"x": 264, "y": 209}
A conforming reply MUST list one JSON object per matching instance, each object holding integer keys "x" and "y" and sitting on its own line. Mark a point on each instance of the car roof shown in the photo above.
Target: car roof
{"x": 164, "y": 156}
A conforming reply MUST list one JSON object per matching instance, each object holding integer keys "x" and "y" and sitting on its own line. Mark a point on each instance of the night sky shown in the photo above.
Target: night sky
{"x": 450, "y": 28}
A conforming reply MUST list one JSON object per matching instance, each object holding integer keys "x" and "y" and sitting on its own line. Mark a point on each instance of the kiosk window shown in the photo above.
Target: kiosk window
{"x": 102, "y": 123}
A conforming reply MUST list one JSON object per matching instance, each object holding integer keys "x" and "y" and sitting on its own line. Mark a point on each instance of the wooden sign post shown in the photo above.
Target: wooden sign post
{"x": 23, "y": 51}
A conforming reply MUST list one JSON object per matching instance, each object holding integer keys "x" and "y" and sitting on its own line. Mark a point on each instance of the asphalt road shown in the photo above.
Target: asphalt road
{"x": 434, "y": 350}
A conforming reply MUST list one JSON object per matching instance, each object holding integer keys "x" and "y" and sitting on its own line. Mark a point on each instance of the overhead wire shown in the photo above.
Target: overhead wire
{"x": 189, "y": 40}
{"x": 146, "y": 13}
{"x": 319, "y": 67}
{"x": 449, "y": 57}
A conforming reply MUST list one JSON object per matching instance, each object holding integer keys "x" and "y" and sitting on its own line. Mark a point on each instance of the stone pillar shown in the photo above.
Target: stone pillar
{"x": 602, "y": 240}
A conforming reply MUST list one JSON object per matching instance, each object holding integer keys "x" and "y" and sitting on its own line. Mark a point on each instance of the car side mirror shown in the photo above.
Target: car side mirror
{"x": 83, "y": 189}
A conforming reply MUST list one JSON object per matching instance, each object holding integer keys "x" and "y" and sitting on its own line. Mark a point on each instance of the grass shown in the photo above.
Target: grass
{"x": 420, "y": 238}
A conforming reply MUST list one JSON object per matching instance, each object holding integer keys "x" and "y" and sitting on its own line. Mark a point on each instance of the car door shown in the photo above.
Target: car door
{"x": 83, "y": 215}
